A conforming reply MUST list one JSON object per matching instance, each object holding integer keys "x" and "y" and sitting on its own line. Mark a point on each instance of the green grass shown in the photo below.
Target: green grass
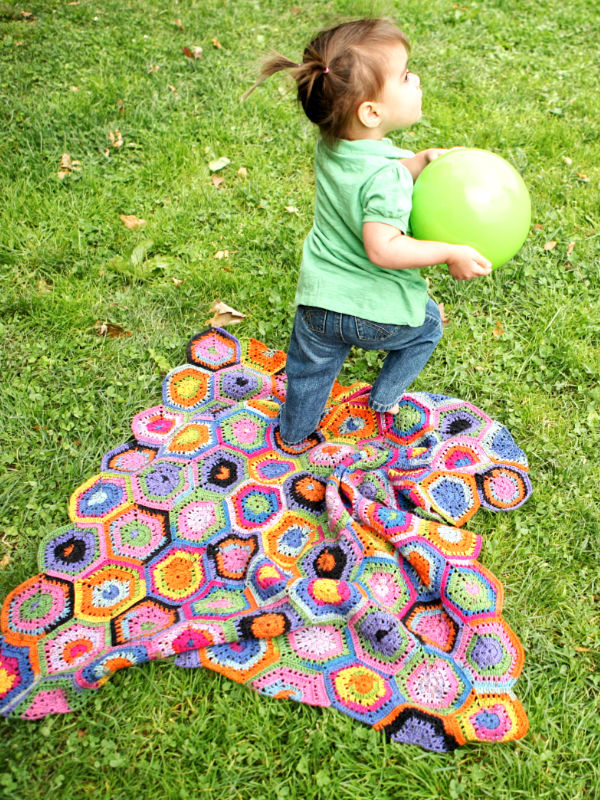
{"x": 517, "y": 77}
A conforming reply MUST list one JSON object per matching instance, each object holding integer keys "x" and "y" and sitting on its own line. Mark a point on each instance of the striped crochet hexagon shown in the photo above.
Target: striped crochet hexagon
{"x": 258, "y": 356}
{"x": 128, "y": 458}
{"x": 108, "y": 591}
{"x": 35, "y": 608}
{"x": 162, "y": 484}
{"x": 100, "y": 498}
{"x": 175, "y": 574}
{"x": 190, "y": 440}
{"x": 155, "y": 425}
{"x": 137, "y": 533}
{"x": 244, "y": 431}
{"x": 213, "y": 350}
{"x": 72, "y": 550}
{"x": 72, "y": 645}
{"x": 255, "y": 505}
{"x": 187, "y": 388}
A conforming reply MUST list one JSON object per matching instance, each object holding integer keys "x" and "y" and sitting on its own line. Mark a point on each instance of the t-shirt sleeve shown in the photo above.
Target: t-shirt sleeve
{"x": 387, "y": 197}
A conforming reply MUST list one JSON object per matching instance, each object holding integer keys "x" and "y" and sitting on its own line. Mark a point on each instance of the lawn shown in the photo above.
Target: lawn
{"x": 103, "y": 93}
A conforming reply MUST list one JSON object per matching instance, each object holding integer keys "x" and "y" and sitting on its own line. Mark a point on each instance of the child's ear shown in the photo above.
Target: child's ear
{"x": 368, "y": 114}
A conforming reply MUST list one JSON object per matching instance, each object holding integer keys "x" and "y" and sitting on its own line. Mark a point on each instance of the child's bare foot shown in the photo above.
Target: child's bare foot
{"x": 394, "y": 409}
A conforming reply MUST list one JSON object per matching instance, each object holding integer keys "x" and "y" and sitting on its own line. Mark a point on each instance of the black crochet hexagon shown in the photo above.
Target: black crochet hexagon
{"x": 412, "y": 726}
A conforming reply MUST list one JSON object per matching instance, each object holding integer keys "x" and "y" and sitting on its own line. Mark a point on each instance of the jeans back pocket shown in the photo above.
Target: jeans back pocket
{"x": 369, "y": 331}
{"x": 315, "y": 318}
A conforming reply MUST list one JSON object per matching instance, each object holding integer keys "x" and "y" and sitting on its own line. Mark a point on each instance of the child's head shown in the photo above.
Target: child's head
{"x": 347, "y": 67}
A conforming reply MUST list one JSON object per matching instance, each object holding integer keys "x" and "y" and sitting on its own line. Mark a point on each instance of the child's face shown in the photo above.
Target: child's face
{"x": 399, "y": 104}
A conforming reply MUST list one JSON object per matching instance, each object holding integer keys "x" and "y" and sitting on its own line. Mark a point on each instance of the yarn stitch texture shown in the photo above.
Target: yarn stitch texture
{"x": 335, "y": 573}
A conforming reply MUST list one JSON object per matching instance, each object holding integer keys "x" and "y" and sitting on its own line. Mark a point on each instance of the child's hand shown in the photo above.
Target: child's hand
{"x": 417, "y": 163}
{"x": 432, "y": 153}
{"x": 465, "y": 262}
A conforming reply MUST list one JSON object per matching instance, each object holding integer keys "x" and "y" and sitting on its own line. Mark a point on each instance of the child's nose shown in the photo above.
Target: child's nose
{"x": 415, "y": 79}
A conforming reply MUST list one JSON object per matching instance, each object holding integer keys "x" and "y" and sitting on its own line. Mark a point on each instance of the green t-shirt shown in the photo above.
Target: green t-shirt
{"x": 359, "y": 181}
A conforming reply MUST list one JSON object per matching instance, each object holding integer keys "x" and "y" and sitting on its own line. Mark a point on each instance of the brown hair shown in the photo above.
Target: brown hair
{"x": 341, "y": 68}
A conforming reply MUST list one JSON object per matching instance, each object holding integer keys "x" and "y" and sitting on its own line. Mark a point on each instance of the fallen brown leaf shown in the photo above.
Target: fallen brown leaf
{"x": 570, "y": 248}
{"x": 193, "y": 52}
{"x": 445, "y": 319}
{"x": 178, "y": 24}
{"x": 222, "y": 314}
{"x": 66, "y": 161}
{"x": 153, "y": 68}
{"x": 5, "y": 561}
{"x": 296, "y": 11}
{"x": 582, "y": 649}
{"x": 177, "y": 281}
{"x": 26, "y": 14}
{"x": 172, "y": 88}
{"x": 538, "y": 227}
{"x": 583, "y": 177}
{"x": 67, "y": 166}
{"x": 120, "y": 106}
{"x": 291, "y": 209}
{"x": 131, "y": 221}
{"x": 222, "y": 254}
{"x": 498, "y": 331}
{"x": 115, "y": 138}
{"x": 74, "y": 88}
{"x": 242, "y": 172}
{"x": 217, "y": 43}
{"x": 111, "y": 330}
{"x": 549, "y": 245}
{"x": 217, "y": 180}
{"x": 568, "y": 161}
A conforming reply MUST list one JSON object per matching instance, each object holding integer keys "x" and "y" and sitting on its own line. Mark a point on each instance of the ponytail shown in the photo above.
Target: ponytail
{"x": 270, "y": 66}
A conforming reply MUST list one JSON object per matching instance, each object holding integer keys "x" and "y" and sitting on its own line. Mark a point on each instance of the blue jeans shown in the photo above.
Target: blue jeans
{"x": 320, "y": 342}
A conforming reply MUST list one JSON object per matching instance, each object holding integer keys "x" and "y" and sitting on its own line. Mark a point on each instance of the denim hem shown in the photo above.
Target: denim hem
{"x": 293, "y": 444}
{"x": 380, "y": 409}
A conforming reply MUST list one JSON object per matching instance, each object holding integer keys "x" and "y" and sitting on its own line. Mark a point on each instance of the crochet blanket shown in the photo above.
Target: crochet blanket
{"x": 336, "y": 573}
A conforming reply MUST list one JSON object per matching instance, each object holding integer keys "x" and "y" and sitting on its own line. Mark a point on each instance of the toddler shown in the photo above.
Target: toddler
{"x": 359, "y": 279}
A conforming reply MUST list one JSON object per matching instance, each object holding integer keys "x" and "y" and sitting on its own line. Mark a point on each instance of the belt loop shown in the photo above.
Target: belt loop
{"x": 340, "y": 318}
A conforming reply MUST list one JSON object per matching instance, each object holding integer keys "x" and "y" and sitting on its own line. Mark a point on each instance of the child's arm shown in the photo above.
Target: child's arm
{"x": 417, "y": 163}
{"x": 387, "y": 247}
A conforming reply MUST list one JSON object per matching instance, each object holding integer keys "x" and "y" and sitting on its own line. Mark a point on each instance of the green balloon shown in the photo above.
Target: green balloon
{"x": 470, "y": 196}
